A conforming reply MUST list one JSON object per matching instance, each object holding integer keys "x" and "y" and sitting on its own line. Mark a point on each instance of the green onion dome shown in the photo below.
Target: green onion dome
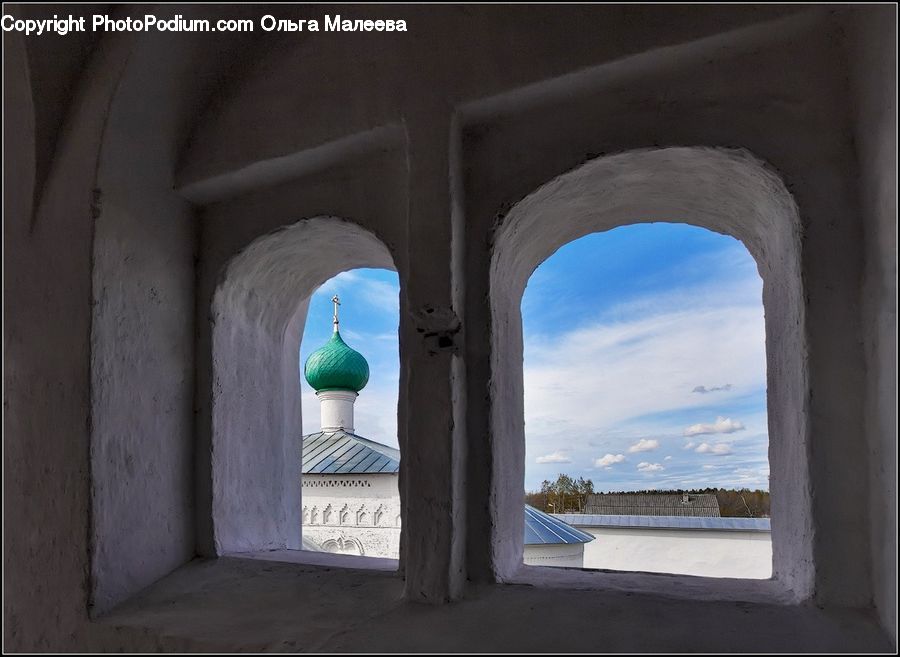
{"x": 335, "y": 366}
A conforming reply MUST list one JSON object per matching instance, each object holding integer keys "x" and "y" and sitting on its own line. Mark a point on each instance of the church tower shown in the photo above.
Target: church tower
{"x": 351, "y": 502}
{"x": 337, "y": 373}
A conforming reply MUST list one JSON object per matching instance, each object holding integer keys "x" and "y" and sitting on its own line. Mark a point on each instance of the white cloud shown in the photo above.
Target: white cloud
{"x": 720, "y": 449}
{"x": 668, "y": 458}
{"x": 349, "y": 276}
{"x": 755, "y": 477}
{"x": 721, "y": 425}
{"x": 704, "y": 390}
{"x": 644, "y": 445}
{"x": 643, "y": 466}
{"x": 609, "y": 460}
{"x": 628, "y": 365}
{"x": 368, "y": 341}
{"x": 380, "y": 294}
{"x": 689, "y": 445}
{"x": 555, "y": 457}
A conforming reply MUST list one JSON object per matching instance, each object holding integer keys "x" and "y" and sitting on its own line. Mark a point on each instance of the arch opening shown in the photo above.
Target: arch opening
{"x": 258, "y": 314}
{"x": 723, "y": 190}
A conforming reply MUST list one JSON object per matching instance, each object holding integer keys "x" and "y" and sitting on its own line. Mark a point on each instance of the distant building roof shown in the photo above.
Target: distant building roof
{"x": 543, "y": 529}
{"x": 632, "y": 504}
{"x": 342, "y": 452}
{"x": 667, "y": 522}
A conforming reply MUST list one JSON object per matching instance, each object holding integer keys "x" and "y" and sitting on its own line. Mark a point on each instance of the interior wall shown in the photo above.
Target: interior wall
{"x": 143, "y": 293}
{"x": 47, "y": 318}
{"x": 142, "y": 308}
{"x": 292, "y": 405}
{"x": 873, "y": 56}
{"x": 665, "y": 77}
{"x": 55, "y": 66}
{"x": 506, "y": 47}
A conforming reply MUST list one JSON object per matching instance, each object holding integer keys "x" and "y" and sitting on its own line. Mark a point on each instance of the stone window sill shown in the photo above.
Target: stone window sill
{"x": 260, "y": 604}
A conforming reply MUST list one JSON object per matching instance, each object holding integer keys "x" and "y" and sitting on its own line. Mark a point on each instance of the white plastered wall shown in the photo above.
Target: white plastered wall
{"x": 569, "y": 555}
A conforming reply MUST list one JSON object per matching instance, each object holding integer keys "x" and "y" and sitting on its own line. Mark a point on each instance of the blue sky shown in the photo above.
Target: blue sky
{"x": 644, "y": 359}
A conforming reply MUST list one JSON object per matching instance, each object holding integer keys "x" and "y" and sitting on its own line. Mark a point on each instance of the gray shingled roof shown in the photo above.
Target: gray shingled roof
{"x": 342, "y": 452}
{"x": 632, "y": 504}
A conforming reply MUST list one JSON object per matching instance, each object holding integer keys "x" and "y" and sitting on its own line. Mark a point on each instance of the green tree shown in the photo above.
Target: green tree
{"x": 566, "y": 494}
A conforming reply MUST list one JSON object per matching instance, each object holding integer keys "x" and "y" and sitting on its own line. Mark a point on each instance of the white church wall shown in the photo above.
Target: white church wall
{"x": 337, "y": 409}
{"x": 353, "y": 514}
{"x": 703, "y": 552}
{"x": 571, "y": 555}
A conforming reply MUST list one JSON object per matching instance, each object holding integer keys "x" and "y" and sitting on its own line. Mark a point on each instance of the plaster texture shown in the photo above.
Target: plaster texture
{"x": 142, "y": 291}
{"x": 874, "y": 58}
{"x": 176, "y": 198}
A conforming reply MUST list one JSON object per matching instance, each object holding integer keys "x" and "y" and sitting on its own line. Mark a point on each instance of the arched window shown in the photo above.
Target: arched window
{"x": 258, "y": 314}
{"x": 726, "y": 191}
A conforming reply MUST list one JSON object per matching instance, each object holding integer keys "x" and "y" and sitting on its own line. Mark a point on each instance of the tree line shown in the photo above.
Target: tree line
{"x": 569, "y": 495}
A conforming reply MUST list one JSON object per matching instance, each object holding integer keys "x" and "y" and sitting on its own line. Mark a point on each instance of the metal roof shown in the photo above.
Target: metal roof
{"x": 637, "y": 504}
{"x": 542, "y": 528}
{"x": 342, "y": 452}
{"x": 666, "y": 522}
